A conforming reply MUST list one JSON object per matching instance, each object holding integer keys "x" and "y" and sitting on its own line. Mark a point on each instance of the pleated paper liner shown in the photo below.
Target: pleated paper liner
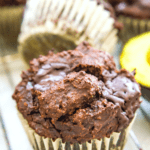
{"x": 10, "y": 23}
{"x": 133, "y": 27}
{"x": 115, "y": 142}
{"x": 63, "y": 25}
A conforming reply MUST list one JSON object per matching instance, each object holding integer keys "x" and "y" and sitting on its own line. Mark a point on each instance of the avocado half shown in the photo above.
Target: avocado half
{"x": 136, "y": 55}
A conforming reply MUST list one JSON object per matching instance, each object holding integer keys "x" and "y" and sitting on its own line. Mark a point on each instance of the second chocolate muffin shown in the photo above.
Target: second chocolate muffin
{"x": 134, "y": 14}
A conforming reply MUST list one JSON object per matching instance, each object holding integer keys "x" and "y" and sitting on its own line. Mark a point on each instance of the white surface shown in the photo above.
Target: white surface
{"x": 16, "y": 135}
{"x": 15, "y": 132}
{"x": 3, "y": 144}
{"x": 141, "y": 129}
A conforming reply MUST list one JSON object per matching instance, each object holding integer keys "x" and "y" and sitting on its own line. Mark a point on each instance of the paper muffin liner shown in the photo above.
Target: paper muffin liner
{"x": 10, "y": 23}
{"x": 63, "y": 25}
{"x": 133, "y": 27}
{"x": 115, "y": 142}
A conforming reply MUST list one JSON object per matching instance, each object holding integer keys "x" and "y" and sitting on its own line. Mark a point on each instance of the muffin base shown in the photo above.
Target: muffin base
{"x": 115, "y": 142}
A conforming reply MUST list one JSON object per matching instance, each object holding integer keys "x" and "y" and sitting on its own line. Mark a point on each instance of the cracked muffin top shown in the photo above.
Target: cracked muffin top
{"x": 77, "y": 95}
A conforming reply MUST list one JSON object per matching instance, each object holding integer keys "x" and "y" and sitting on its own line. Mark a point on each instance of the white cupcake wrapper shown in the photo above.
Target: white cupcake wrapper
{"x": 133, "y": 27}
{"x": 80, "y": 20}
{"x": 115, "y": 142}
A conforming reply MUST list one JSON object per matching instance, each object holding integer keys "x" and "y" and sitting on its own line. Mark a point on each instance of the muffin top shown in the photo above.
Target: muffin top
{"x": 133, "y": 8}
{"x": 77, "y": 95}
{"x": 12, "y": 2}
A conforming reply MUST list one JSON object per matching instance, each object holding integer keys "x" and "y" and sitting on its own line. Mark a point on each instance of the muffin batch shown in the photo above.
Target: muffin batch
{"x": 72, "y": 96}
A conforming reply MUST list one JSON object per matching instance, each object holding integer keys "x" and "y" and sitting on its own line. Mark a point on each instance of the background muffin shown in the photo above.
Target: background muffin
{"x": 134, "y": 14}
{"x": 77, "y": 96}
{"x": 64, "y": 22}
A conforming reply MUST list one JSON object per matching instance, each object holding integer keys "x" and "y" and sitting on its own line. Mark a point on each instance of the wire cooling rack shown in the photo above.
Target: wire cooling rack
{"x": 12, "y": 135}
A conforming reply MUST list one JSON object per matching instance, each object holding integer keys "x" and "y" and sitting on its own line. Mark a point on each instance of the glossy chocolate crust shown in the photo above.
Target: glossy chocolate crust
{"x": 12, "y": 2}
{"x": 77, "y": 95}
{"x": 133, "y": 8}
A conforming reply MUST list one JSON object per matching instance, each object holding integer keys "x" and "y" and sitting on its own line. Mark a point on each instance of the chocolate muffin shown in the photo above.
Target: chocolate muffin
{"x": 133, "y": 8}
{"x": 134, "y": 14}
{"x": 77, "y": 95}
